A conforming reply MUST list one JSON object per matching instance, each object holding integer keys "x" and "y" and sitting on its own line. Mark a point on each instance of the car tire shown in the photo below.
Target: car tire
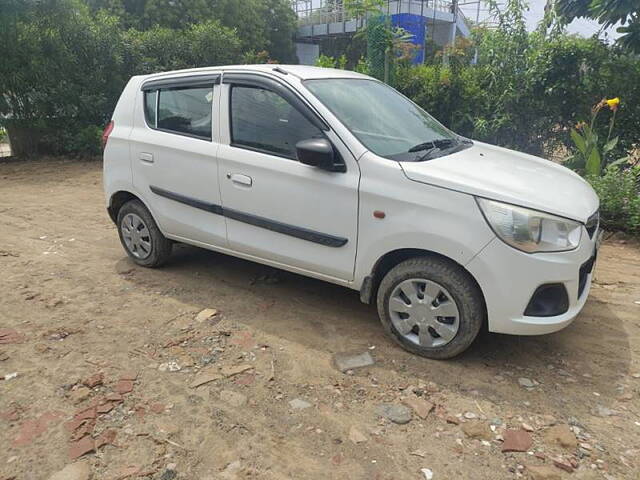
{"x": 401, "y": 304}
{"x": 140, "y": 236}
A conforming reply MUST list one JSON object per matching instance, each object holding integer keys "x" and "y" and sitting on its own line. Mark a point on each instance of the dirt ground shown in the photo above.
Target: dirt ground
{"x": 108, "y": 354}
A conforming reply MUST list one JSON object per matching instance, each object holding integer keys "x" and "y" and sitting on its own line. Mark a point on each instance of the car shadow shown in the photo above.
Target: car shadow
{"x": 331, "y": 318}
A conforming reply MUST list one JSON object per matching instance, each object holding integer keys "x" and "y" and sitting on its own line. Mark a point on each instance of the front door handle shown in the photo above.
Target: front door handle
{"x": 146, "y": 157}
{"x": 240, "y": 179}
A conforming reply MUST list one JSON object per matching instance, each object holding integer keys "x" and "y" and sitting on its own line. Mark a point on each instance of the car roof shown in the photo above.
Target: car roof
{"x": 303, "y": 72}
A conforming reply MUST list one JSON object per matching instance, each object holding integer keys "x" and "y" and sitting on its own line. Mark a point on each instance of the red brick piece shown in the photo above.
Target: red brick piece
{"x": 94, "y": 380}
{"x": 516, "y": 441}
{"x": 124, "y": 386}
{"x": 81, "y": 447}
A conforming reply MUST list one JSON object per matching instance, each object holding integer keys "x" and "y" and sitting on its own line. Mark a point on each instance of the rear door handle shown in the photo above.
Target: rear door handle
{"x": 240, "y": 179}
{"x": 146, "y": 157}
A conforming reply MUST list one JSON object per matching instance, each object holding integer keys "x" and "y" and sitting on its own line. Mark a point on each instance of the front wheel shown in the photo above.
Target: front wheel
{"x": 140, "y": 236}
{"x": 431, "y": 307}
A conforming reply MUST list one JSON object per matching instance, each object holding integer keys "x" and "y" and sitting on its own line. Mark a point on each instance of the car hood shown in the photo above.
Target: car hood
{"x": 513, "y": 177}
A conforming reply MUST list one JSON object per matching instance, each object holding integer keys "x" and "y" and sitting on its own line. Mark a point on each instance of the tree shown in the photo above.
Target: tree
{"x": 61, "y": 68}
{"x": 261, "y": 25}
{"x": 608, "y": 13}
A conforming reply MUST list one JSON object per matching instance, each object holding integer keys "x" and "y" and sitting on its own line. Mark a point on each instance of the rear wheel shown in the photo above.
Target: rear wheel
{"x": 140, "y": 235}
{"x": 431, "y": 307}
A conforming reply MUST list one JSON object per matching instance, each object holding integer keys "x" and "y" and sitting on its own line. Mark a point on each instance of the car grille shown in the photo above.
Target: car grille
{"x": 592, "y": 223}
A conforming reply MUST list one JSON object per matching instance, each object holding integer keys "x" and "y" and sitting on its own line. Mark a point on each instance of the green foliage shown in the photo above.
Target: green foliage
{"x": 527, "y": 90}
{"x": 66, "y": 61}
{"x": 619, "y": 192}
{"x": 330, "y": 62}
{"x": 267, "y": 25}
{"x": 608, "y": 13}
{"x": 360, "y": 8}
{"x": 591, "y": 155}
{"x": 162, "y": 49}
{"x": 61, "y": 67}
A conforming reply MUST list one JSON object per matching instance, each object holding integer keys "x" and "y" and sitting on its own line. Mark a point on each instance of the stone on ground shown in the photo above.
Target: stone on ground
{"x": 561, "y": 435}
{"x": 477, "y": 430}
{"x": 395, "y": 413}
{"x": 73, "y": 471}
{"x": 542, "y": 472}
{"x": 346, "y": 361}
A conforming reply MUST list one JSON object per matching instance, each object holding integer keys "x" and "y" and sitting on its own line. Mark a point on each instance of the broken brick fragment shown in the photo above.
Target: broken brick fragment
{"x": 107, "y": 437}
{"x": 90, "y": 412}
{"x": 124, "y": 386}
{"x": 81, "y": 447}
{"x": 94, "y": 380}
{"x": 105, "y": 407}
{"x": 32, "y": 428}
{"x": 129, "y": 375}
{"x": 114, "y": 397}
{"x": 9, "y": 335}
{"x": 516, "y": 441}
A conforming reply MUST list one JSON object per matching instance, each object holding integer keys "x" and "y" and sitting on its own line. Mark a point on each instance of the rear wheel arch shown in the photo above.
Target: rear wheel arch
{"x": 117, "y": 200}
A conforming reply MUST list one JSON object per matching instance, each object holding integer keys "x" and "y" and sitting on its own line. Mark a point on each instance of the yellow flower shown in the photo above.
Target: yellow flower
{"x": 613, "y": 103}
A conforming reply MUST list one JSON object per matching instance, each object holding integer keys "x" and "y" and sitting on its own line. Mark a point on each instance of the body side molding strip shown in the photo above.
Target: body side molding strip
{"x": 278, "y": 227}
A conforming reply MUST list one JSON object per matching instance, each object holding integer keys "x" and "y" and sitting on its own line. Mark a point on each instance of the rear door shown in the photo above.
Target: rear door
{"x": 173, "y": 149}
{"x": 276, "y": 207}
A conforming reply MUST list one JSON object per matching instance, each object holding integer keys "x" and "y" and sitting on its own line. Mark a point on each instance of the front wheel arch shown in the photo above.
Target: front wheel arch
{"x": 371, "y": 283}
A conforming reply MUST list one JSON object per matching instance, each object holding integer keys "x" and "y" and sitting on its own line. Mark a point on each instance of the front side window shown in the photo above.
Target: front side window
{"x": 386, "y": 122}
{"x": 186, "y": 110}
{"x": 263, "y": 120}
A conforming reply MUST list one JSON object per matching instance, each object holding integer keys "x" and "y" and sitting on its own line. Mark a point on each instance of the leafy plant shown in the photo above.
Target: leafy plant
{"x": 330, "y": 62}
{"x": 608, "y": 13}
{"x": 619, "y": 192}
{"x": 591, "y": 157}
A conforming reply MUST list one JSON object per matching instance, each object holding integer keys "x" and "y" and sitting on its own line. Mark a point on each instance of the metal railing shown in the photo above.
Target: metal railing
{"x": 317, "y": 13}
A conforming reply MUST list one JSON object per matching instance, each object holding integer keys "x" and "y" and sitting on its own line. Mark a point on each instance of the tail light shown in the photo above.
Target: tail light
{"x": 105, "y": 134}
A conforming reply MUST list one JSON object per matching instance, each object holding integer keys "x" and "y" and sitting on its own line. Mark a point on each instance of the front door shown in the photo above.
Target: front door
{"x": 277, "y": 208}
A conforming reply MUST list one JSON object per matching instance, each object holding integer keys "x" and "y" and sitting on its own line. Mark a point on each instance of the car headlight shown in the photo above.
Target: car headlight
{"x": 530, "y": 230}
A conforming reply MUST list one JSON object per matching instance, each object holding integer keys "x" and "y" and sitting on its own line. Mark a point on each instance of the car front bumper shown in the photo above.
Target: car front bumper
{"x": 508, "y": 279}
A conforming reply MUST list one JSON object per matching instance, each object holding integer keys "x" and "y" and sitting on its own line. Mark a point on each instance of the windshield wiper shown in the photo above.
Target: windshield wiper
{"x": 439, "y": 143}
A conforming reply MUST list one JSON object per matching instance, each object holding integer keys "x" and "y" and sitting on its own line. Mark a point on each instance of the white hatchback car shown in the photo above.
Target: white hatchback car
{"x": 334, "y": 175}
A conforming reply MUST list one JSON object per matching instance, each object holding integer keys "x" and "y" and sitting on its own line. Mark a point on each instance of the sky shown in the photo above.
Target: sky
{"x": 582, "y": 27}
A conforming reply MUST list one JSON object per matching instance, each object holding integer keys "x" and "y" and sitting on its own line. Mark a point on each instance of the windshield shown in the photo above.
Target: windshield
{"x": 385, "y": 121}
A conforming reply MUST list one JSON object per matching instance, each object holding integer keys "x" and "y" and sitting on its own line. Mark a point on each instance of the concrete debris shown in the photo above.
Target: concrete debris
{"x": 349, "y": 361}
{"x": 234, "y": 399}
{"x": 356, "y": 436}
{"x": 299, "y": 404}
{"x": 206, "y": 314}
{"x": 74, "y": 471}
{"x": 420, "y": 406}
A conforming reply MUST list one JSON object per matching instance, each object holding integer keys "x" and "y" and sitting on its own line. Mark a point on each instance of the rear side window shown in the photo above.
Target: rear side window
{"x": 182, "y": 110}
{"x": 263, "y": 120}
{"x": 150, "y": 99}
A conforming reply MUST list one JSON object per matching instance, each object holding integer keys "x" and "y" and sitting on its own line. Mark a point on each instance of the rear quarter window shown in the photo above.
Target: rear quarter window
{"x": 150, "y": 102}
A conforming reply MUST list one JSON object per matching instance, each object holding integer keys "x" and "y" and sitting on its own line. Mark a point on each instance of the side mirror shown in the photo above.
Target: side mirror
{"x": 318, "y": 152}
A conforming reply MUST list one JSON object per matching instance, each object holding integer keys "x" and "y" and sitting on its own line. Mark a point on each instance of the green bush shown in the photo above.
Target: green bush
{"x": 619, "y": 192}
{"x": 65, "y": 69}
{"x": 162, "y": 49}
